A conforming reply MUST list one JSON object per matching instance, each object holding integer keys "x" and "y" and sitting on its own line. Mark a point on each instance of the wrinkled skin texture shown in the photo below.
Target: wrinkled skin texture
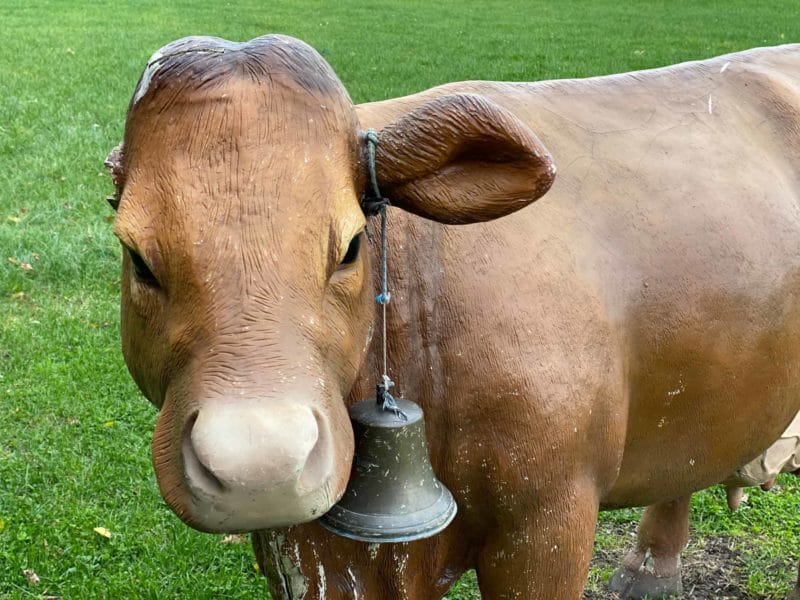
{"x": 601, "y": 348}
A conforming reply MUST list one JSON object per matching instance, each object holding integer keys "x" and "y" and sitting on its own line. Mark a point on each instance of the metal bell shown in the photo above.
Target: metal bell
{"x": 393, "y": 494}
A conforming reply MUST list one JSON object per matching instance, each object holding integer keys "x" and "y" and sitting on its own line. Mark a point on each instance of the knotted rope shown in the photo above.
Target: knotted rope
{"x": 373, "y": 203}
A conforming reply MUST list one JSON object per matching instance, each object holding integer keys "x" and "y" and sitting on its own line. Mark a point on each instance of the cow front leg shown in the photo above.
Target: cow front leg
{"x": 542, "y": 552}
{"x": 653, "y": 568}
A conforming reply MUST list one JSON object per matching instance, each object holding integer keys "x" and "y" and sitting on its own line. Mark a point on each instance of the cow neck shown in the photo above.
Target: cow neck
{"x": 412, "y": 275}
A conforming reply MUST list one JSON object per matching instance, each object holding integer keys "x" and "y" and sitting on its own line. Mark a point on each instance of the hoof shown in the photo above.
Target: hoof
{"x": 634, "y": 585}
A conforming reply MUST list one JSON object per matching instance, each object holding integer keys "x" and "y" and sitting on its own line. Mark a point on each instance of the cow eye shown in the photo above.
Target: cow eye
{"x": 352, "y": 251}
{"x": 141, "y": 270}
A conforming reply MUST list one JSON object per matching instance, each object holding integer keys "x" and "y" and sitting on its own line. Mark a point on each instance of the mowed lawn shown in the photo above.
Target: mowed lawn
{"x": 75, "y": 432}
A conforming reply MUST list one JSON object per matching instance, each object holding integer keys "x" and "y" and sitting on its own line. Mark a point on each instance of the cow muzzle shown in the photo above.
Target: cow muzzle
{"x": 252, "y": 464}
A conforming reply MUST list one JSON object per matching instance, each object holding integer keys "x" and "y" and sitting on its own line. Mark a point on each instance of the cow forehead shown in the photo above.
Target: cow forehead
{"x": 268, "y": 128}
{"x": 202, "y": 62}
{"x": 272, "y": 90}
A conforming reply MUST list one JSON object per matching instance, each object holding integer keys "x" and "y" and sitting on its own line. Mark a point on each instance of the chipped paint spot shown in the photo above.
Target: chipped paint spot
{"x": 677, "y": 390}
{"x": 373, "y": 550}
{"x": 402, "y": 562}
{"x": 370, "y": 333}
{"x": 294, "y": 584}
{"x": 153, "y": 65}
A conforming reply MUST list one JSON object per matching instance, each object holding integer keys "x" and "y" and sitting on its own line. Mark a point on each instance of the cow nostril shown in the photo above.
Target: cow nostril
{"x": 199, "y": 474}
{"x": 317, "y": 465}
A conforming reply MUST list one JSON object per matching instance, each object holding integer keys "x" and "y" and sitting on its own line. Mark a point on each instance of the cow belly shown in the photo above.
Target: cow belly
{"x": 711, "y": 386}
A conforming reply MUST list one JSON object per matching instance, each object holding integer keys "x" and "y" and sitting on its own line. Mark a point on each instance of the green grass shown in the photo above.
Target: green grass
{"x": 74, "y": 432}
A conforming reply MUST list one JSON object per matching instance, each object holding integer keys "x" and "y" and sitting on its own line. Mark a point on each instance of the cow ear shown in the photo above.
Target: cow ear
{"x": 462, "y": 159}
{"x": 114, "y": 165}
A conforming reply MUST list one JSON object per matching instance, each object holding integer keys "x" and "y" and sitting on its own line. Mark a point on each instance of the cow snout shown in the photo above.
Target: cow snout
{"x": 252, "y": 465}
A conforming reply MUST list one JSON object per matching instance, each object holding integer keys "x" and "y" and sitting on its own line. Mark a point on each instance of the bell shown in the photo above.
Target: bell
{"x": 393, "y": 494}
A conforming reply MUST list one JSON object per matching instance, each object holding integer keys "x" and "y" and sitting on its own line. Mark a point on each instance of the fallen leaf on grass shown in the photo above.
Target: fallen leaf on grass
{"x": 102, "y": 531}
{"x": 234, "y": 538}
{"x": 18, "y": 295}
{"x": 26, "y": 266}
{"x": 2, "y": 525}
{"x": 109, "y": 423}
{"x": 72, "y": 421}
{"x": 31, "y": 576}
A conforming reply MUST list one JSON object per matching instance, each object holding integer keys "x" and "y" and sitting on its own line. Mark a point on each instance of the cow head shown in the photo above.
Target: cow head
{"x": 247, "y": 294}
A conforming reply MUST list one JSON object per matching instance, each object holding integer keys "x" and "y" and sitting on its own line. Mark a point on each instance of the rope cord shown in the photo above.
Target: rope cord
{"x": 374, "y": 204}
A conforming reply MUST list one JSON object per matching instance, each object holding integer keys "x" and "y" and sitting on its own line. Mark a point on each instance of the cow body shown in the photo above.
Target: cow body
{"x": 628, "y": 339}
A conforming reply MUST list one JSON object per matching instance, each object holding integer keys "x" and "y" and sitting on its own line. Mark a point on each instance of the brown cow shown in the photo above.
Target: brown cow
{"x": 629, "y": 339}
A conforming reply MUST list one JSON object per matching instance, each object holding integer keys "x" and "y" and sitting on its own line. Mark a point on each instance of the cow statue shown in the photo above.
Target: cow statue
{"x": 629, "y": 339}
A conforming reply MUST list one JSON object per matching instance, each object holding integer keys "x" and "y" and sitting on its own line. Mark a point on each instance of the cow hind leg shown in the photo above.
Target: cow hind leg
{"x": 795, "y": 593}
{"x": 652, "y": 569}
{"x": 544, "y": 553}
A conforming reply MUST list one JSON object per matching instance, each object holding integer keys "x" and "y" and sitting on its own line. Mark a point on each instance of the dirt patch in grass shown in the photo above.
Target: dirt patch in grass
{"x": 712, "y": 568}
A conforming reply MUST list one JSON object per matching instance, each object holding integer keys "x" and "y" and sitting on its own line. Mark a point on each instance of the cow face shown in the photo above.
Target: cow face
{"x": 247, "y": 296}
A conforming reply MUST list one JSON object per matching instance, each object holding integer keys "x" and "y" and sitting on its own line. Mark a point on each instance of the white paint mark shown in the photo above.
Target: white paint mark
{"x": 724, "y": 67}
{"x": 321, "y": 583}
{"x": 355, "y": 583}
{"x": 691, "y": 462}
{"x": 710, "y": 105}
